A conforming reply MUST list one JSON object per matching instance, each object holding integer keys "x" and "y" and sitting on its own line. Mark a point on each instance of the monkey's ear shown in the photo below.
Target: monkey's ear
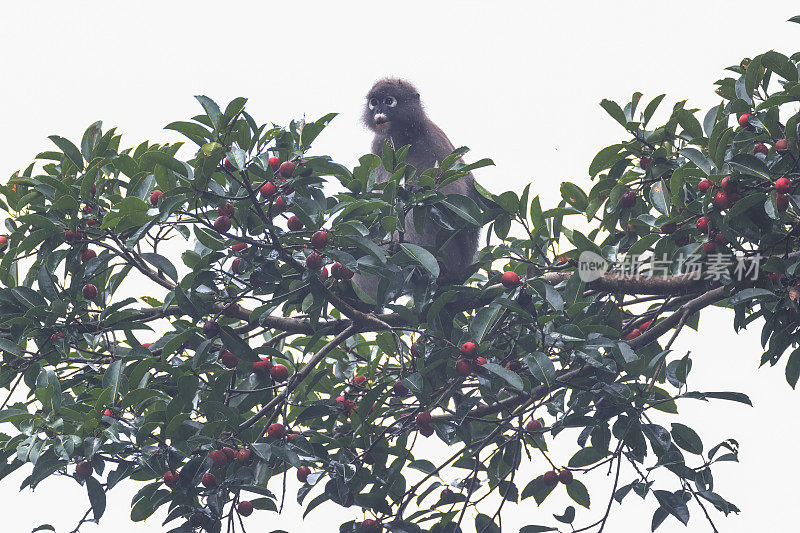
{"x": 416, "y": 96}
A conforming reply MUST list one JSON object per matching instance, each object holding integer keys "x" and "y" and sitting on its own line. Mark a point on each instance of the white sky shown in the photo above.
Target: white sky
{"x": 519, "y": 82}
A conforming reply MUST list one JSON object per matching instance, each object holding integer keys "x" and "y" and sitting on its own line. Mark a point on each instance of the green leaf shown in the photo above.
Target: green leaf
{"x": 511, "y": 377}
{"x": 651, "y": 108}
{"x": 542, "y": 368}
{"x": 536, "y": 529}
{"x": 793, "y": 368}
{"x": 422, "y": 256}
{"x": 112, "y": 378}
{"x": 577, "y": 491}
{"x": 537, "y": 489}
{"x": 483, "y": 321}
{"x": 587, "y": 456}
{"x": 605, "y": 158}
{"x": 780, "y": 65}
{"x": 69, "y": 149}
{"x": 161, "y": 263}
{"x": 613, "y": 109}
{"x": 695, "y": 156}
{"x": 97, "y": 497}
{"x": 686, "y": 438}
{"x": 211, "y": 108}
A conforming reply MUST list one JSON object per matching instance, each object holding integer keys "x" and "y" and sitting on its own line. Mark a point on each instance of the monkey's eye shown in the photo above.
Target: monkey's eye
{"x": 372, "y": 103}
{"x": 390, "y": 101}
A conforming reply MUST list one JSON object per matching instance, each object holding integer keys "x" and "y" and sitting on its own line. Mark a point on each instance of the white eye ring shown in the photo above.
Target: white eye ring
{"x": 390, "y": 101}
{"x": 372, "y": 103}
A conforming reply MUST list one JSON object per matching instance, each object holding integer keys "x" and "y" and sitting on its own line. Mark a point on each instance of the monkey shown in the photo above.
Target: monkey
{"x": 394, "y": 112}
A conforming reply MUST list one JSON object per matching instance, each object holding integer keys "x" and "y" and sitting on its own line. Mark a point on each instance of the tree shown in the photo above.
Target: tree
{"x": 267, "y": 364}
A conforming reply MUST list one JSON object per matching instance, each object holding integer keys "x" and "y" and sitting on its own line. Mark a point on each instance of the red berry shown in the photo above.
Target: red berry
{"x": 782, "y": 202}
{"x": 370, "y": 526}
{"x": 108, "y": 412}
{"x": 57, "y": 336}
{"x": 704, "y": 185}
{"x": 426, "y": 431}
{"x": 147, "y": 344}
{"x": 89, "y": 291}
{"x": 286, "y": 169}
{"x": 228, "y": 359}
{"x": 209, "y": 480}
{"x": 230, "y": 453}
{"x": 359, "y": 381}
{"x": 323, "y": 275}
{"x": 245, "y": 508}
{"x": 276, "y": 430}
{"x": 633, "y": 334}
{"x": 565, "y": 477}
{"x": 87, "y": 209}
{"x": 744, "y": 120}
{"x": 211, "y": 328}
{"x": 294, "y": 223}
{"x": 646, "y": 325}
{"x": 236, "y": 266}
{"x": 669, "y": 228}
{"x": 280, "y": 203}
{"x": 533, "y": 426}
{"x": 228, "y": 165}
{"x": 339, "y": 271}
{"x": 302, "y": 473}
{"x": 71, "y": 236}
{"x": 218, "y": 457}
{"x": 469, "y": 349}
{"x": 773, "y": 277}
{"x": 721, "y": 200}
{"x": 550, "y": 478}
{"x": 268, "y": 190}
{"x": 239, "y": 247}
{"x": 314, "y": 261}
{"x": 83, "y": 470}
{"x": 760, "y": 148}
{"x": 263, "y": 366}
{"x": 279, "y": 372}
{"x": 645, "y": 161}
{"x": 155, "y": 196}
{"x": 728, "y": 185}
{"x": 399, "y": 389}
{"x": 423, "y": 418}
{"x": 709, "y": 247}
{"x": 87, "y": 255}
{"x": 480, "y": 360}
{"x": 782, "y": 185}
{"x": 171, "y": 478}
{"x": 274, "y": 163}
{"x": 348, "y": 406}
{"x": 781, "y": 145}
{"x": 702, "y": 224}
{"x": 222, "y": 224}
{"x": 226, "y": 210}
{"x": 720, "y": 239}
{"x": 243, "y": 456}
{"x": 628, "y": 199}
{"x": 463, "y": 367}
{"x": 319, "y": 239}
{"x": 91, "y": 222}
{"x": 510, "y": 280}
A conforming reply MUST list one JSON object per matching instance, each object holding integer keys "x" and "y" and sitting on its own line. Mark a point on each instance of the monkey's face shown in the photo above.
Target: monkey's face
{"x": 381, "y": 112}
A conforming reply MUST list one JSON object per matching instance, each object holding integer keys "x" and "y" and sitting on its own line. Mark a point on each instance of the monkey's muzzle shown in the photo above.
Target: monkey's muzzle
{"x": 381, "y": 121}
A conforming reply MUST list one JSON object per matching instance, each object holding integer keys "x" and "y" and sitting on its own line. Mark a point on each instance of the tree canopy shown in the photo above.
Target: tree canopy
{"x": 267, "y": 360}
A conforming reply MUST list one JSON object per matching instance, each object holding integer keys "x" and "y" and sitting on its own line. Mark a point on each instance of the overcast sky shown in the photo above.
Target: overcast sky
{"x": 516, "y": 81}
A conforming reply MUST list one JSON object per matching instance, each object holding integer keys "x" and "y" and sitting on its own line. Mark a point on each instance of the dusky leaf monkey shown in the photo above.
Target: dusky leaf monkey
{"x": 395, "y": 113}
